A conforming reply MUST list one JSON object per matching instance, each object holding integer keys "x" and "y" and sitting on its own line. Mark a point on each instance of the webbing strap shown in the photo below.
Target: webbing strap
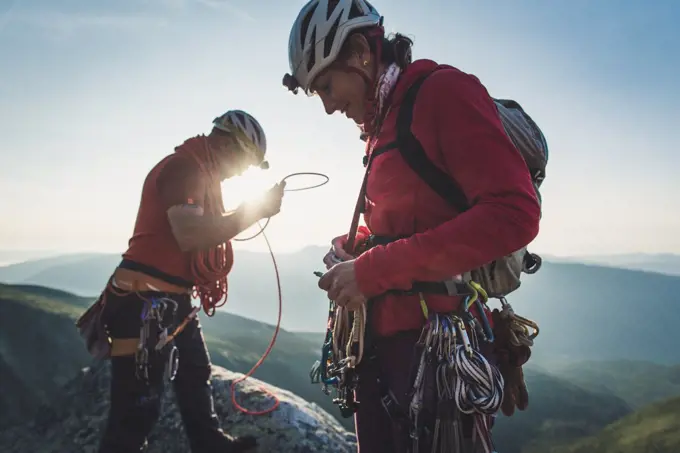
{"x": 124, "y": 346}
{"x": 387, "y": 398}
{"x": 380, "y": 150}
{"x": 445, "y": 288}
{"x": 155, "y": 273}
{"x": 413, "y": 153}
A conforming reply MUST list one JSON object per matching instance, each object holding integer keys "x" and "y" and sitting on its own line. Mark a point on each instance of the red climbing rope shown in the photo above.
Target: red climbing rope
{"x": 269, "y": 348}
{"x": 210, "y": 268}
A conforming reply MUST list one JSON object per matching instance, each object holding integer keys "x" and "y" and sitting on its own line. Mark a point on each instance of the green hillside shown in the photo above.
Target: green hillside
{"x": 652, "y": 429}
{"x": 558, "y": 411}
{"x": 39, "y": 346}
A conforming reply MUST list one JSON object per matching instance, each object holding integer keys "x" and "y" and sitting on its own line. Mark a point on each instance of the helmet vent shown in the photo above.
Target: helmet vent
{"x": 330, "y": 37}
{"x": 312, "y": 53}
{"x": 354, "y": 11}
{"x": 305, "y": 25}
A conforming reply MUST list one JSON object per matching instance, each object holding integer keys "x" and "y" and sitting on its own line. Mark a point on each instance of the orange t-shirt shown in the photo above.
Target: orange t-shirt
{"x": 175, "y": 180}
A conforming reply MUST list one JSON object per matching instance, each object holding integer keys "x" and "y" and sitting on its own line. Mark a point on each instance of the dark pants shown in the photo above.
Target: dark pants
{"x": 136, "y": 403}
{"x": 377, "y": 431}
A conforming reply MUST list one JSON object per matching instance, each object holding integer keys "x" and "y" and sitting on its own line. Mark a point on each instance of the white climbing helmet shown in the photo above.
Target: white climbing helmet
{"x": 320, "y": 30}
{"x": 244, "y": 126}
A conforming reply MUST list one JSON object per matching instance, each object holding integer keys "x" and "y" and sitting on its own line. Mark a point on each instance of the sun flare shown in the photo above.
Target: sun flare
{"x": 247, "y": 187}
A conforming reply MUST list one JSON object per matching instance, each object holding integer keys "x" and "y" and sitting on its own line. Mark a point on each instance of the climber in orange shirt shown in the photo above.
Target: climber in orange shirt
{"x": 181, "y": 241}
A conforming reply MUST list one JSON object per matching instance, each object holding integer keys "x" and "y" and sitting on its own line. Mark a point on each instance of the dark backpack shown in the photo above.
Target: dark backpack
{"x": 503, "y": 275}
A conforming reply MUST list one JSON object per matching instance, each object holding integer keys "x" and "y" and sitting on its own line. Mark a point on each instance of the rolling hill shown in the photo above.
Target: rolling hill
{"x": 40, "y": 349}
{"x": 652, "y": 429}
{"x": 626, "y": 379}
{"x": 559, "y": 411}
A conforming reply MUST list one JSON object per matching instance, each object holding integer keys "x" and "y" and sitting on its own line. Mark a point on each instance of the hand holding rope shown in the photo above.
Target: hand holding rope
{"x": 284, "y": 179}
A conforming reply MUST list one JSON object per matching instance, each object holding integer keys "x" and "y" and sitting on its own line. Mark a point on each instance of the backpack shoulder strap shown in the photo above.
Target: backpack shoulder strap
{"x": 413, "y": 153}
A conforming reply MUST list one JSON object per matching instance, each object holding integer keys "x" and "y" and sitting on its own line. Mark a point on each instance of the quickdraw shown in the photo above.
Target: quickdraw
{"x": 342, "y": 351}
{"x": 319, "y": 372}
{"x": 466, "y": 382}
{"x": 154, "y": 335}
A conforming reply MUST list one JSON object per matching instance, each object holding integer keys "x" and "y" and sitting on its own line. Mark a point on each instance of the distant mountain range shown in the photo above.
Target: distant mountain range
{"x": 586, "y": 312}
{"x": 8, "y": 257}
{"x": 40, "y": 350}
{"x": 663, "y": 263}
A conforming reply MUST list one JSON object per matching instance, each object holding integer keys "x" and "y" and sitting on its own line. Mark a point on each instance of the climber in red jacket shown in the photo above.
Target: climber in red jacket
{"x": 338, "y": 51}
{"x": 181, "y": 241}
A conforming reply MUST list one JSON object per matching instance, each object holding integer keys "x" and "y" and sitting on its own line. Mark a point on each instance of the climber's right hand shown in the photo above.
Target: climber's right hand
{"x": 270, "y": 203}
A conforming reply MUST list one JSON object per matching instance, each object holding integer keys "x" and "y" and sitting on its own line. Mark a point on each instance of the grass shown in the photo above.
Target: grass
{"x": 652, "y": 429}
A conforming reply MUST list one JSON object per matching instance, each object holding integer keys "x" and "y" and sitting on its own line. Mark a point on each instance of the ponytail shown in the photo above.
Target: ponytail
{"x": 393, "y": 49}
{"x": 397, "y": 49}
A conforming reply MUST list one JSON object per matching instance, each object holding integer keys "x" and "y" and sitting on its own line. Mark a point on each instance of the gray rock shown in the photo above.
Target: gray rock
{"x": 72, "y": 423}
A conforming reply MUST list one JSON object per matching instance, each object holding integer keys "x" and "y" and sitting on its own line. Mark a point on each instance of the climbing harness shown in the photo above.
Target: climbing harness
{"x": 450, "y": 356}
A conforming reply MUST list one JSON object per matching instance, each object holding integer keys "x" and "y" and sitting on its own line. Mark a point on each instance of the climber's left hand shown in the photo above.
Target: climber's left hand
{"x": 341, "y": 284}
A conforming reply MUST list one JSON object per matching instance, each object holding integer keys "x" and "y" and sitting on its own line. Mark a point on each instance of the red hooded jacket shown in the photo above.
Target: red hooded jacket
{"x": 456, "y": 121}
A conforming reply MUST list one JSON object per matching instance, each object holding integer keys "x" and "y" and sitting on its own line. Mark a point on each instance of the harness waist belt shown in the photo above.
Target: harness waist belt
{"x": 449, "y": 287}
{"x": 445, "y": 288}
{"x": 155, "y": 273}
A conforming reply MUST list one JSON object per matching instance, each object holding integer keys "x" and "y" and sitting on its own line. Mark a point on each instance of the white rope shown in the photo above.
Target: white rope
{"x": 479, "y": 385}
{"x": 478, "y": 391}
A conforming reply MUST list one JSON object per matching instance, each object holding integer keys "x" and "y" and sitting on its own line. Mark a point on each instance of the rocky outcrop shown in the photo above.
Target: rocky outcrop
{"x": 73, "y": 422}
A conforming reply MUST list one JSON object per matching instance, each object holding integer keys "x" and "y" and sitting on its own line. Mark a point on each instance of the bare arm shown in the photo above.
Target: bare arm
{"x": 182, "y": 189}
{"x": 195, "y": 231}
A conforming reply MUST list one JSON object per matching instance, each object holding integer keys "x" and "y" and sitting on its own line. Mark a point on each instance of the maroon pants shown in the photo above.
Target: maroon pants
{"x": 377, "y": 431}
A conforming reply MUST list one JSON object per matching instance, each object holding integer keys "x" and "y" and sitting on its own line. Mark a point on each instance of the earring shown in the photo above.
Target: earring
{"x": 365, "y": 62}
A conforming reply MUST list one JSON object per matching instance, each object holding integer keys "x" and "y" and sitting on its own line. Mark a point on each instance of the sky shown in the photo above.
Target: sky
{"x": 94, "y": 93}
